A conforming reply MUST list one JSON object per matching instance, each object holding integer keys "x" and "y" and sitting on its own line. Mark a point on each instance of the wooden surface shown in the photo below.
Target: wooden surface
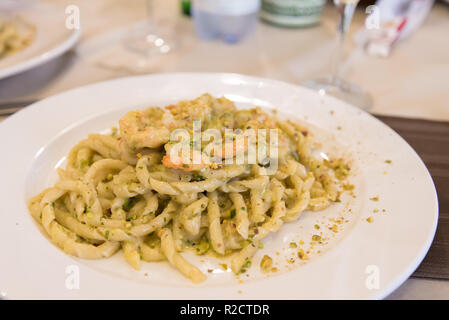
{"x": 430, "y": 139}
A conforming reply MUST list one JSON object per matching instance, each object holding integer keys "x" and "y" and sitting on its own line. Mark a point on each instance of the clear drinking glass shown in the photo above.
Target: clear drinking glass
{"x": 333, "y": 84}
{"x": 149, "y": 38}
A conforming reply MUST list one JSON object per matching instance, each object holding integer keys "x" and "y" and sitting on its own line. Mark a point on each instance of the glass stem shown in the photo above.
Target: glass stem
{"x": 346, "y": 12}
{"x": 150, "y": 11}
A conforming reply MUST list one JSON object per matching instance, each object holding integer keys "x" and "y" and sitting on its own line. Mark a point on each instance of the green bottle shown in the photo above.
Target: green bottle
{"x": 185, "y": 5}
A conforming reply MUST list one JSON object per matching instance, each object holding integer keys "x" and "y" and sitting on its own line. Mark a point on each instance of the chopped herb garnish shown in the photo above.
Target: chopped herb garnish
{"x": 85, "y": 163}
{"x": 202, "y": 247}
{"x": 295, "y": 155}
{"x": 129, "y": 203}
{"x": 247, "y": 263}
{"x": 244, "y": 243}
{"x": 197, "y": 177}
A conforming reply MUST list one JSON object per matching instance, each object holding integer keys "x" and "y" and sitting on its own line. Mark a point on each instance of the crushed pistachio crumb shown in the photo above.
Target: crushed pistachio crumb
{"x": 302, "y": 255}
{"x": 348, "y": 186}
{"x": 247, "y": 263}
{"x": 266, "y": 263}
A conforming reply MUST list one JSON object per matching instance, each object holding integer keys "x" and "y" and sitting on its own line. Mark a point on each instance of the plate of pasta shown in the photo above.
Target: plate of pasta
{"x": 199, "y": 186}
{"x": 32, "y": 34}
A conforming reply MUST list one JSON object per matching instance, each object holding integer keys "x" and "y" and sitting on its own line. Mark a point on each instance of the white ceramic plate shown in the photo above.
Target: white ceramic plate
{"x": 52, "y": 38}
{"x": 363, "y": 260}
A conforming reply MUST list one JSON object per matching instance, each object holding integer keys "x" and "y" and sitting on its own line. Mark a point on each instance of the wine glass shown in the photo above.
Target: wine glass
{"x": 149, "y": 38}
{"x": 333, "y": 84}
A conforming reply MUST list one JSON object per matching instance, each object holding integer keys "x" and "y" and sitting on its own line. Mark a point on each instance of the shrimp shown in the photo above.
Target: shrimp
{"x": 180, "y": 162}
{"x": 144, "y": 129}
{"x": 170, "y": 163}
{"x": 228, "y": 150}
{"x": 255, "y": 119}
{"x": 126, "y": 154}
{"x": 232, "y": 148}
{"x": 185, "y": 112}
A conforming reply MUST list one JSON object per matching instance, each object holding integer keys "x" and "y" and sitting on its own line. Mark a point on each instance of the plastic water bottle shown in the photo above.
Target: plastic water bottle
{"x": 229, "y": 20}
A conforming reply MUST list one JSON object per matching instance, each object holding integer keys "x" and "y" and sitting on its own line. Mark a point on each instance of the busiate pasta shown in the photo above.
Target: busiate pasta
{"x": 126, "y": 189}
{"x": 13, "y": 39}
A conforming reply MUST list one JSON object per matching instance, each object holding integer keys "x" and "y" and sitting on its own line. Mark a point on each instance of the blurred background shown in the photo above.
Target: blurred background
{"x": 289, "y": 40}
{"x": 390, "y": 57}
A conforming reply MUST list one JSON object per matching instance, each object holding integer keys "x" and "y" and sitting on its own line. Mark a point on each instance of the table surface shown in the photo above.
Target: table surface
{"x": 412, "y": 82}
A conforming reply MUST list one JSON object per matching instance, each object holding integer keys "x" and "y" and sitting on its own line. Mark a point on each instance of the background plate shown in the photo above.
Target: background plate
{"x": 51, "y": 40}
